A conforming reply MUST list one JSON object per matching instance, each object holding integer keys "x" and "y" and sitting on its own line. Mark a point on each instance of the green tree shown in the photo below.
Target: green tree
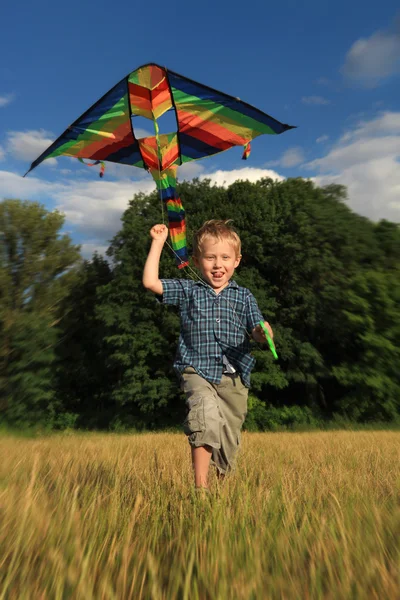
{"x": 368, "y": 370}
{"x": 140, "y": 335}
{"x": 309, "y": 261}
{"x": 84, "y": 382}
{"x": 36, "y": 272}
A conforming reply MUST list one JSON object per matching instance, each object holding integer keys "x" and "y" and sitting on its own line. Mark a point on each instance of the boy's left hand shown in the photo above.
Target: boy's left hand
{"x": 259, "y": 335}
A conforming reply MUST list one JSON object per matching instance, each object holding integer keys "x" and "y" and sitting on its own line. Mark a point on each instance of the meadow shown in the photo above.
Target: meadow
{"x": 114, "y": 516}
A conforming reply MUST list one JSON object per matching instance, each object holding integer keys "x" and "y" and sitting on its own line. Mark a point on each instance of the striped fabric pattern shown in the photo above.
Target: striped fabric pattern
{"x": 166, "y": 185}
{"x": 208, "y": 122}
{"x": 149, "y": 92}
{"x": 165, "y": 144}
{"x": 222, "y": 330}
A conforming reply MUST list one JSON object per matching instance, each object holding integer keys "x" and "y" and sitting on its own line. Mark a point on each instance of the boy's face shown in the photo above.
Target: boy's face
{"x": 217, "y": 262}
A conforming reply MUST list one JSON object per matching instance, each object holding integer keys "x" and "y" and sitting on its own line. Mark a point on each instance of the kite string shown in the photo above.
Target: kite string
{"x": 161, "y": 195}
{"x": 156, "y": 130}
{"x": 160, "y": 192}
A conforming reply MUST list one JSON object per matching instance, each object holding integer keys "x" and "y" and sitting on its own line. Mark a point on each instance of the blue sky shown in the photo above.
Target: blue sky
{"x": 333, "y": 72}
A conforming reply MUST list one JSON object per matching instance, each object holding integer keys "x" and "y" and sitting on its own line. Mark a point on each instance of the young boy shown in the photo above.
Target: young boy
{"x": 213, "y": 355}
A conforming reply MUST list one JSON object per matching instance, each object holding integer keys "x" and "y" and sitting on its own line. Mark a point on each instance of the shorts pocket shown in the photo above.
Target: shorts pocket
{"x": 195, "y": 420}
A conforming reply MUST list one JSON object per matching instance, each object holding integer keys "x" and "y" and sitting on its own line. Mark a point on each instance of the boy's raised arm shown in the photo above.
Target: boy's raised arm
{"x": 151, "y": 280}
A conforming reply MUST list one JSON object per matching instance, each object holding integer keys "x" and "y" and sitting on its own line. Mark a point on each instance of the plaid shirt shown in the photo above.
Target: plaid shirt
{"x": 213, "y": 325}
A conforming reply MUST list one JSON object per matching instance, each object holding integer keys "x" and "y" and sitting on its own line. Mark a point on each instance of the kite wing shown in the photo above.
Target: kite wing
{"x": 208, "y": 122}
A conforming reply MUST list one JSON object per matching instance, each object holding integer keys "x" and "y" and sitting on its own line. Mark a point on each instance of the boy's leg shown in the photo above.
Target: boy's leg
{"x": 233, "y": 407}
{"x": 201, "y": 457}
{"x": 202, "y": 424}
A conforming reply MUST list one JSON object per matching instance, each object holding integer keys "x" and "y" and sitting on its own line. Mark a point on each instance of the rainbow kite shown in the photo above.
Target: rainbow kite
{"x": 207, "y": 122}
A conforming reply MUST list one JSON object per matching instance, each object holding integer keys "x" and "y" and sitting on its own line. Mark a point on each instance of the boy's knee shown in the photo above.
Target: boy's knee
{"x": 203, "y": 422}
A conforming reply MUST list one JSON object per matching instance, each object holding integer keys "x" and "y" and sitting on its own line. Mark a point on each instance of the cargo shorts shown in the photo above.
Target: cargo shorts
{"x": 216, "y": 412}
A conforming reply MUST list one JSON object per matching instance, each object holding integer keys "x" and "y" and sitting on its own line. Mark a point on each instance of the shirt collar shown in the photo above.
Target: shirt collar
{"x": 232, "y": 284}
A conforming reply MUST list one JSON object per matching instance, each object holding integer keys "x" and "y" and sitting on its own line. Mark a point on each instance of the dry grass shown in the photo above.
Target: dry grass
{"x": 308, "y": 515}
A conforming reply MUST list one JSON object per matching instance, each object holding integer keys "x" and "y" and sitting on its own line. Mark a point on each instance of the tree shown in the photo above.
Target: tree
{"x": 83, "y": 380}
{"x": 141, "y": 336}
{"x": 312, "y": 265}
{"x": 86, "y": 340}
{"x": 36, "y": 272}
{"x": 368, "y": 371}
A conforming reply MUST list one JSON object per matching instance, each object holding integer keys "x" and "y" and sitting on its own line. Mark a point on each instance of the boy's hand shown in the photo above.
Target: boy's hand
{"x": 159, "y": 233}
{"x": 259, "y": 335}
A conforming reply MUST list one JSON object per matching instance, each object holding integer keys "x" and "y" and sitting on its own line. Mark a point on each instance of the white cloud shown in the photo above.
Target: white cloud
{"x": 28, "y": 145}
{"x": 103, "y": 220}
{"x": 291, "y": 158}
{"x": 366, "y": 160}
{"x": 225, "y": 178}
{"x": 315, "y": 100}
{"x": 94, "y": 208}
{"x": 190, "y": 170}
{"x": 322, "y": 139}
{"x": 15, "y": 186}
{"x": 371, "y": 60}
{"x": 386, "y": 122}
{"x": 142, "y": 133}
{"x": 6, "y": 99}
{"x": 2, "y": 153}
{"x": 359, "y": 151}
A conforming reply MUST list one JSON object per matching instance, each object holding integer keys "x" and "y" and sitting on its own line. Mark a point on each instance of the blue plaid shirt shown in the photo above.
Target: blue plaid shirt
{"x": 213, "y": 325}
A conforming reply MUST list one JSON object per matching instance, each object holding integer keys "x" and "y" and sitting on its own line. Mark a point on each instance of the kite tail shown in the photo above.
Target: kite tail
{"x": 246, "y": 151}
{"x": 177, "y": 230}
{"x": 166, "y": 185}
{"x": 93, "y": 164}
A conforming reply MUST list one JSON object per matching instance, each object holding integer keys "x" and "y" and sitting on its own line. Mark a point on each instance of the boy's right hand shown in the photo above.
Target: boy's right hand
{"x": 159, "y": 233}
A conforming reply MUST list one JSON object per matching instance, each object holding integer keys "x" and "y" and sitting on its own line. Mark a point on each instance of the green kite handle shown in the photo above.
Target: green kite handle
{"x": 270, "y": 342}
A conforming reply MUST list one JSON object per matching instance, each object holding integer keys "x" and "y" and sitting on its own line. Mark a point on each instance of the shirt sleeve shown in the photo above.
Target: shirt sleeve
{"x": 253, "y": 313}
{"x": 174, "y": 291}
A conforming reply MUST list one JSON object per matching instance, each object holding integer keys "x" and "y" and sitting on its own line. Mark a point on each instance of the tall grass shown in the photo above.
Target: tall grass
{"x": 305, "y": 515}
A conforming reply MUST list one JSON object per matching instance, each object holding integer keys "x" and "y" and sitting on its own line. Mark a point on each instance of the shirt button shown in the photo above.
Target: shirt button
{"x": 217, "y": 320}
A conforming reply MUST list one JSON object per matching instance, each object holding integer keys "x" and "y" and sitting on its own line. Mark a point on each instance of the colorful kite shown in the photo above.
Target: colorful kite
{"x": 207, "y": 122}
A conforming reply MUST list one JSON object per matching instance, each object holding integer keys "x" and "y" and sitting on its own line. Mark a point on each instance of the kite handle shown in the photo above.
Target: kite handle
{"x": 269, "y": 340}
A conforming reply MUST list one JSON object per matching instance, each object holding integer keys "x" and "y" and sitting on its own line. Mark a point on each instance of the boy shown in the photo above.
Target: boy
{"x": 213, "y": 356}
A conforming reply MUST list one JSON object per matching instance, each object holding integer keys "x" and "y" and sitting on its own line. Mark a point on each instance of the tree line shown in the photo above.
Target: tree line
{"x": 82, "y": 344}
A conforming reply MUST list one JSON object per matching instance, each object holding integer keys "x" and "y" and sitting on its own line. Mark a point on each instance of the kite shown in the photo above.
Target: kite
{"x": 207, "y": 122}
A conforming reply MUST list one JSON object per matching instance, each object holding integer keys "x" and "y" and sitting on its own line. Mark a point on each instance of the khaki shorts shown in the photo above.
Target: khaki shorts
{"x": 216, "y": 412}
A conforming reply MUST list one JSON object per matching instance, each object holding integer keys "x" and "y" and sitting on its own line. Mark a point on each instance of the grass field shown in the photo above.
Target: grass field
{"x": 306, "y": 515}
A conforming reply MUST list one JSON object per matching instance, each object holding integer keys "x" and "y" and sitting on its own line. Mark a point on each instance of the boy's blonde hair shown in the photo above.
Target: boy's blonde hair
{"x": 219, "y": 230}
